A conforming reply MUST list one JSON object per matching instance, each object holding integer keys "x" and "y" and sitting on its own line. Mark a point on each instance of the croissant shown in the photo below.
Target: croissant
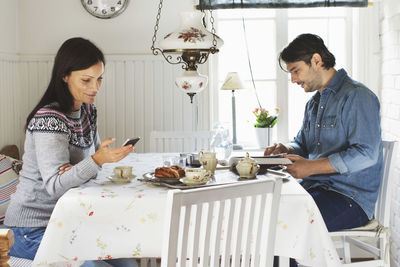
{"x": 180, "y": 170}
{"x": 166, "y": 172}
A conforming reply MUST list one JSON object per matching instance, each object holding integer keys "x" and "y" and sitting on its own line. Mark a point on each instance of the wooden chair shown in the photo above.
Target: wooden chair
{"x": 377, "y": 229}
{"x": 11, "y": 151}
{"x": 170, "y": 141}
{"x": 224, "y": 225}
{"x": 6, "y": 242}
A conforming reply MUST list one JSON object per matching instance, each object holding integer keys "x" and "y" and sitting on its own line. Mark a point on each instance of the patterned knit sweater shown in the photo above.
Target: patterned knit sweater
{"x": 52, "y": 140}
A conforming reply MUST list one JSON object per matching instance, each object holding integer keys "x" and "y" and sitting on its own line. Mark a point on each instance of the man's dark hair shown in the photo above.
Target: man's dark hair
{"x": 74, "y": 54}
{"x": 303, "y": 48}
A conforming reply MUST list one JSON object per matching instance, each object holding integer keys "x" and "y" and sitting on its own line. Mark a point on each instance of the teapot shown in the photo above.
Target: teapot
{"x": 247, "y": 167}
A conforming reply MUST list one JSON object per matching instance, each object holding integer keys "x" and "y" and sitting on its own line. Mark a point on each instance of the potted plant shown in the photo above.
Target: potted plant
{"x": 264, "y": 122}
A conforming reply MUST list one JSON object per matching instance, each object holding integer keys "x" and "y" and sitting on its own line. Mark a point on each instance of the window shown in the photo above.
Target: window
{"x": 268, "y": 31}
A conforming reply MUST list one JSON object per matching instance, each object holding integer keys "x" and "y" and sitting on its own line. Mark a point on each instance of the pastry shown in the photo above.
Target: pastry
{"x": 166, "y": 172}
{"x": 180, "y": 170}
{"x": 174, "y": 171}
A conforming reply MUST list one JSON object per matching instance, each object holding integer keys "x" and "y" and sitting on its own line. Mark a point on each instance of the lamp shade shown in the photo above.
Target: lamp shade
{"x": 232, "y": 82}
{"x": 191, "y": 81}
{"x": 191, "y": 35}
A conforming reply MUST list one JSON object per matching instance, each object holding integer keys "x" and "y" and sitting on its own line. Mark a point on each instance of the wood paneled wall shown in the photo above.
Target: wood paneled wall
{"x": 11, "y": 128}
{"x": 138, "y": 95}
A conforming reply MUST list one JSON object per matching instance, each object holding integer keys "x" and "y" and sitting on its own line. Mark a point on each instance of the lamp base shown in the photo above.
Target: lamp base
{"x": 237, "y": 147}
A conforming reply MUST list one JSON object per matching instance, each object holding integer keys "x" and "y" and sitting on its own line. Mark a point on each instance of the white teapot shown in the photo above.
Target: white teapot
{"x": 247, "y": 167}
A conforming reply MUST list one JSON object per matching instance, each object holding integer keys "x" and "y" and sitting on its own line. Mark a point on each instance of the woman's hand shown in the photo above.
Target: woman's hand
{"x": 65, "y": 168}
{"x": 107, "y": 154}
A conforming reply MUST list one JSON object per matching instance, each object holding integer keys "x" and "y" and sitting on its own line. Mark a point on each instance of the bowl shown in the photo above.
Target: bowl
{"x": 233, "y": 161}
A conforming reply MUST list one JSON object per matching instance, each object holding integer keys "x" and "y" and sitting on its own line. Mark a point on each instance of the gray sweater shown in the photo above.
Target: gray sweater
{"x": 52, "y": 140}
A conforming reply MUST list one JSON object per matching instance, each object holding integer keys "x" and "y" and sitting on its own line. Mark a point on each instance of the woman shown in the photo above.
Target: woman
{"x": 62, "y": 145}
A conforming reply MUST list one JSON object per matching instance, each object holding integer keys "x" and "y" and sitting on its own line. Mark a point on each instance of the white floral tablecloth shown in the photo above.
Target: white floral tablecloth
{"x": 104, "y": 220}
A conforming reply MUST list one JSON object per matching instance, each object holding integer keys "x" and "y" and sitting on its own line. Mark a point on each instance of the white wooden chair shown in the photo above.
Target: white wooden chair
{"x": 377, "y": 229}
{"x": 226, "y": 225}
{"x": 181, "y": 141}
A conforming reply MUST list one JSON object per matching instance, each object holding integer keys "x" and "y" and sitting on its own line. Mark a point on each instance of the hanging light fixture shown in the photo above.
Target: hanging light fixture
{"x": 189, "y": 45}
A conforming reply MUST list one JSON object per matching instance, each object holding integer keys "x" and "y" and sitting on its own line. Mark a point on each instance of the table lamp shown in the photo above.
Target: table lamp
{"x": 233, "y": 82}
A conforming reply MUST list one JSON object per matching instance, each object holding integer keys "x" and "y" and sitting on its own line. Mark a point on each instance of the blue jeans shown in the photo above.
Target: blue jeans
{"x": 27, "y": 241}
{"x": 338, "y": 211}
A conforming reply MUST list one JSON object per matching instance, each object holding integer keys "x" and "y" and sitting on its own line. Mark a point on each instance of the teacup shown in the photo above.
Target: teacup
{"x": 123, "y": 172}
{"x": 197, "y": 174}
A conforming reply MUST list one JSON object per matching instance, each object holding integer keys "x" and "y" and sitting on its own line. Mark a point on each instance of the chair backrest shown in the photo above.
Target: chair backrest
{"x": 170, "y": 141}
{"x": 382, "y": 208}
{"x": 224, "y": 225}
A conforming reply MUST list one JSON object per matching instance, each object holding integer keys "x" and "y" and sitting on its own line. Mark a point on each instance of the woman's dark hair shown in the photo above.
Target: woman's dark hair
{"x": 303, "y": 48}
{"x": 74, "y": 54}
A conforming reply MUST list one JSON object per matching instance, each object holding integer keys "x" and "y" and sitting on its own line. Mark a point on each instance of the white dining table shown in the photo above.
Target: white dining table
{"x": 106, "y": 220}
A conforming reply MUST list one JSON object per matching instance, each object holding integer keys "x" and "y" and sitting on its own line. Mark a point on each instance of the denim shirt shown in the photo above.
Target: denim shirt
{"x": 343, "y": 125}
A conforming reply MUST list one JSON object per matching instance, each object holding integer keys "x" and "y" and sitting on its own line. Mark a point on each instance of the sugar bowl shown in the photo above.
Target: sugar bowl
{"x": 247, "y": 167}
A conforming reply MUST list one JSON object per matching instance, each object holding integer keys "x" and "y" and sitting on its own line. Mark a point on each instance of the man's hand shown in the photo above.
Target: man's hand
{"x": 302, "y": 168}
{"x": 107, "y": 154}
{"x": 278, "y": 149}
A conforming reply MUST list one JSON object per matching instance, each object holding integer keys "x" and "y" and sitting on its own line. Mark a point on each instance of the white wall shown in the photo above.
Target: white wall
{"x": 9, "y": 89}
{"x": 45, "y": 24}
{"x": 9, "y": 27}
{"x": 390, "y": 101}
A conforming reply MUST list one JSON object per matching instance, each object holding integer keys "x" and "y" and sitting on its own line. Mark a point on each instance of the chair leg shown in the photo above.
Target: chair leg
{"x": 143, "y": 262}
{"x": 385, "y": 250}
{"x": 283, "y": 261}
{"x": 346, "y": 250}
{"x": 153, "y": 262}
{"x": 149, "y": 262}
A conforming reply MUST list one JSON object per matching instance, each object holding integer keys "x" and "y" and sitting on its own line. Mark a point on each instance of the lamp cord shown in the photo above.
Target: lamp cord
{"x": 249, "y": 61}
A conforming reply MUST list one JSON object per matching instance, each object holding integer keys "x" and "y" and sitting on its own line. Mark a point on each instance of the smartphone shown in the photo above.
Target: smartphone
{"x": 132, "y": 141}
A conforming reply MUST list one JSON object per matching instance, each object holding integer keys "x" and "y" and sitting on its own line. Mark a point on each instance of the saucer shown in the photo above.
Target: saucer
{"x": 114, "y": 179}
{"x": 192, "y": 182}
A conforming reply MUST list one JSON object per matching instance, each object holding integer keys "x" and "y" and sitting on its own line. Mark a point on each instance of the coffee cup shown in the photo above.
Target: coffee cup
{"x": 197, "y": 174}
{"x": 124, "y": 172}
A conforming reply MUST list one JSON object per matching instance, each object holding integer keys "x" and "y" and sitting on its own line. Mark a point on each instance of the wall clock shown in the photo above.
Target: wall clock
{"x": 105, "y": 9}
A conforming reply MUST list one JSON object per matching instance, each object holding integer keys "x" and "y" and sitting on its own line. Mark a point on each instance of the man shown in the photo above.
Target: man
{"x": 338, "y": 150}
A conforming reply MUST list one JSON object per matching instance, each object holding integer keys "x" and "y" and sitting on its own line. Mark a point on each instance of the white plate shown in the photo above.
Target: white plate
{"x": 114, "y": 179}
{"x": 191, "y": 182}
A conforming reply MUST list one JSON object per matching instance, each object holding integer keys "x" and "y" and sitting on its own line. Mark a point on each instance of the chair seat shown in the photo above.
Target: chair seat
{"x": 19, "y": 262}
{"x": 372, "y": 225}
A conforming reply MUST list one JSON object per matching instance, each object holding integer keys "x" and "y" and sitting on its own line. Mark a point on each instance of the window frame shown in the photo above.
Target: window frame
{"x": 354, "y": 62}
